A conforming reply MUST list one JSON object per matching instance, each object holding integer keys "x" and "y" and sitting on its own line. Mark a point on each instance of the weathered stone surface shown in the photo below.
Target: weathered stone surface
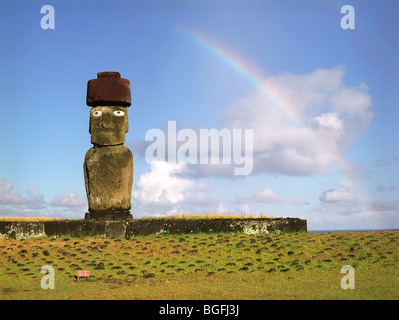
{"x": 108, "y": 179}
{"x": 73, "y": 228}
{"x": 108, "y": 125}
{"x": 108, "y": 166}
{"x": 115, "y": 229}
{"x": 109, "y": 89}
{"x": 108, "y": 216}
{"x": 21, "y": 230}
{"x": 248, "y": 226}
{"x": 108, "y": 74}
{"x": 84, "y": 228}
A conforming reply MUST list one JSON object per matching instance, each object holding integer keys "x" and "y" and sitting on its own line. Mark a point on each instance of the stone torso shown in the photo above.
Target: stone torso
{"x": 109, "y": 178}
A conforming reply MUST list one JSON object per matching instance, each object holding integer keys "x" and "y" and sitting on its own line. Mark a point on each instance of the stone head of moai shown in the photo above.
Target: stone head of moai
{"x": 108, "y": 166}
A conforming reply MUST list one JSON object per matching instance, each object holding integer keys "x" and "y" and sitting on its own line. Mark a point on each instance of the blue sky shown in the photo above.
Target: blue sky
{"x": 191, "y": 62}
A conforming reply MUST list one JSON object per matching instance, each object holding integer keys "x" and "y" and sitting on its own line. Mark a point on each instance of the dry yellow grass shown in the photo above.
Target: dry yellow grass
{"x": 29, "y": 219}
{"x": 211, "y": 216}
{"x": 182, "y": 216}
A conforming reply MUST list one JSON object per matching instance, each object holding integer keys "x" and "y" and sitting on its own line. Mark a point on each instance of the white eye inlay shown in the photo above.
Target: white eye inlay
{"x": 119, "y": 113}
{"x": 97, "y": 113}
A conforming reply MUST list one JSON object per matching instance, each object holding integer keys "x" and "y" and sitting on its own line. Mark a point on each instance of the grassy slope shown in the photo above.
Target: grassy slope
{"x": 200, "y": 266}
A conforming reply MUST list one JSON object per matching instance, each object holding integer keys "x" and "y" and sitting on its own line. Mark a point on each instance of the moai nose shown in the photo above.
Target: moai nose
{"x": 106, "y": 120}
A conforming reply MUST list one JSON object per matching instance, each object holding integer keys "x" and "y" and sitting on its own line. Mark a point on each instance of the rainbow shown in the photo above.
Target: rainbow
{"x": 253, "y": 76}
{"x": 248, "y": 72}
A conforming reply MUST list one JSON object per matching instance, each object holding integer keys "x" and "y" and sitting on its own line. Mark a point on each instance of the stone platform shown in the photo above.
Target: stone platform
{"x": 106, "y": 229}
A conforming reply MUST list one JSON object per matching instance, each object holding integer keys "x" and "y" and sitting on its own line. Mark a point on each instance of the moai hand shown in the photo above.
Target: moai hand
{"x": 108, "y": 166}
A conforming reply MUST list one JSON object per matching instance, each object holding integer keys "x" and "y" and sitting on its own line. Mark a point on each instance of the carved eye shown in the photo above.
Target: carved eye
{"x": 119, "y": 113}
{"x": 97, "y": 113}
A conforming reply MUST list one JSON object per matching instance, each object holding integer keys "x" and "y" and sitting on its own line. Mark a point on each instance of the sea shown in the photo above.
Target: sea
{"x": 351, "y": 230}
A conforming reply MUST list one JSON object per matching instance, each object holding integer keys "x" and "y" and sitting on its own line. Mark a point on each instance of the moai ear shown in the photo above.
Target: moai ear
{"x": 90, "y": 125}
{"x": 127, "y": 121}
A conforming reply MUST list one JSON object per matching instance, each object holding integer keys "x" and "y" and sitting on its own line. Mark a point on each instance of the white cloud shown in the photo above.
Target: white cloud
{"x": 342, "y": 208}
{"x": 68, "y": 205}
{"x": 267, "y": 195}
{"x": 69, "y": 200}
{"x": 351, "y": 100}
{"x": 381, "y": 206}
{"x": 302, "y": 123}
{"x": 35, "y": 201}
{"x": 329, "y": 124}
{"x": 34, "y": 204}
{"x": 8, "y": 211}
{"x": 356, "y": 172}
{"x": 300, "y": 201}
{"x": 6, "y": 195}
{"x": 336, "y": 195}
{"x": 383, "y": 214}
{"x": 161, "y": 183}
{"x": 222, "y": 209}
{"x": 340, "y": 200}
{"x": 15, "y": 200}
{"x": 245, "y": 209}
{"x": 165, "y": 191}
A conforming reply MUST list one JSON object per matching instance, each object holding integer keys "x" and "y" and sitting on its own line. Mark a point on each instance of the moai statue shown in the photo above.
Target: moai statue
{"x": 108, "y": 166}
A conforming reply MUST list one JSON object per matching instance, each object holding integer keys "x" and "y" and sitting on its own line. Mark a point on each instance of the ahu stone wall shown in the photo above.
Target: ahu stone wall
{"x": 83, "y": 228}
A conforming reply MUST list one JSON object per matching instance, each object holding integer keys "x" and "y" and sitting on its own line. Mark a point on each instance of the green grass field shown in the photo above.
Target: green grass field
{"x": 204, "y": 266}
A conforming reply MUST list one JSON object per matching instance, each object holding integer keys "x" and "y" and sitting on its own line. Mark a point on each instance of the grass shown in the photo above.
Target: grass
{"x": 172, "y": 217}
{"x": 28, "y": 219}
{"x": 208, "y": 216}
{"x": 204, "y": 266}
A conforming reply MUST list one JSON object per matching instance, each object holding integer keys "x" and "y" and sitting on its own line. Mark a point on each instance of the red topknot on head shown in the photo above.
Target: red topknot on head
{"x": 109, "y": 89}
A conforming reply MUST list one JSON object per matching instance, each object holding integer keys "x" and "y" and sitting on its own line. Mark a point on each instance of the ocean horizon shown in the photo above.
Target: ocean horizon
{"x": 351, "y": 230}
